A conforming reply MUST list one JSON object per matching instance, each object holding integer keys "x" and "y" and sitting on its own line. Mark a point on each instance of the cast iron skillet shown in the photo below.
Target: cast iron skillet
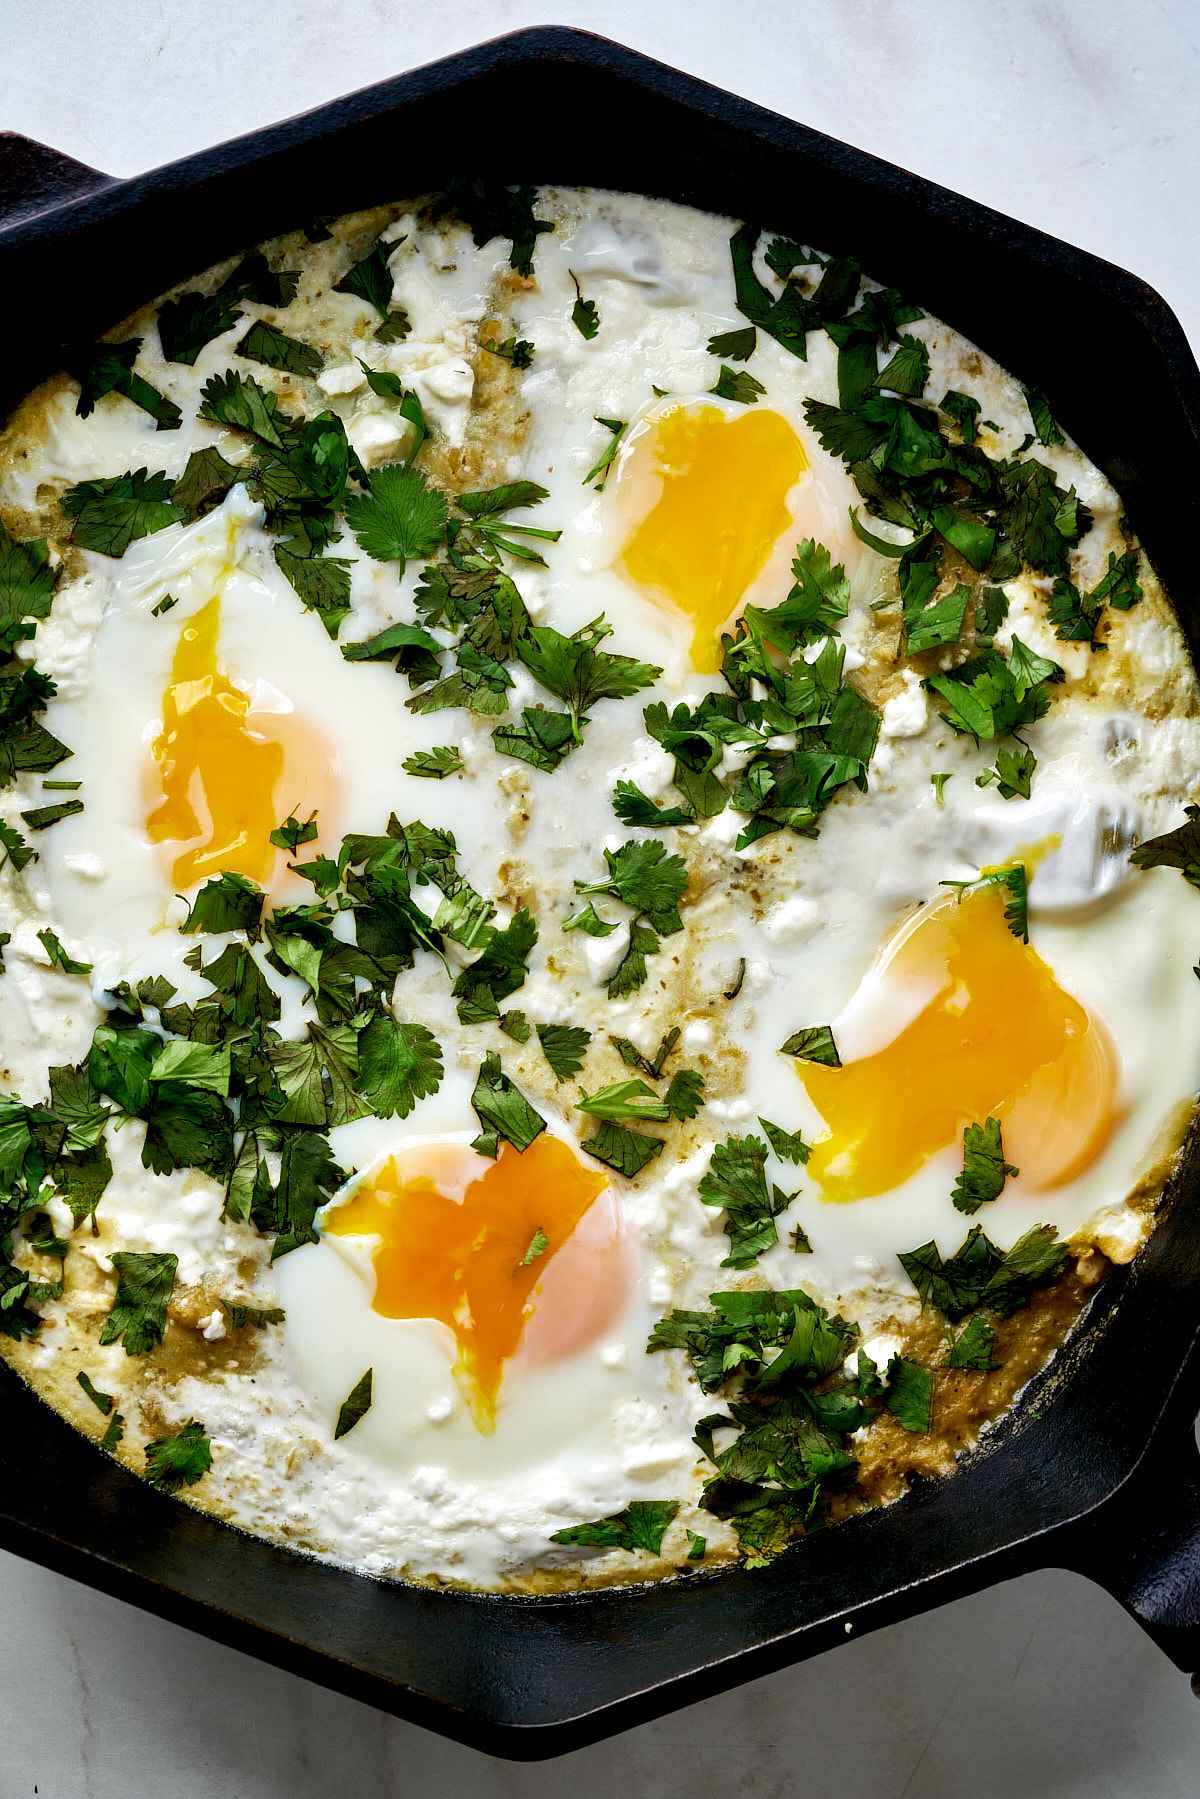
{"x": 1097, "y": 1470}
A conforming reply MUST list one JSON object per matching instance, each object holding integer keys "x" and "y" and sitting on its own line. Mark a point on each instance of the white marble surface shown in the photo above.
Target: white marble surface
{"x": 1078, "y": 115}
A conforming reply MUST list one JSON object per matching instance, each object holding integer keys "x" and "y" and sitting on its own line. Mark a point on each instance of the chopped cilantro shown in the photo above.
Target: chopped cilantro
{"x": 267, "y": 344}
{"x": 738, "y": 345}
{"x": 642, "y": 1525}
{"x": 227, "y": 902}
{"x": 598, "y": 473}
{"x": 735, "y": 1181}
{"x": 539, "y": 1243}
{"x": 1012, "y": 774}
{"x": 909, "y": 1395}
{"x": 398, "y": 1064}
{"x": 984, "y": 1169}
{"x": 1179, "y": 848}
{"x": 435, "y": 764}
{"x": 502, "y": 1109}
{"x": 1045, "y": 428}
{"x": 625, "y": 1150}
{"x": 739, "y": 385}
{"x": 974, "y": 1345}
{"x": 179, "y": 1460}
{"x": 356, "y": 1405}
{"x": 108, "y": 369}
{"x": 400, "y": 515}
{"x": 584, "y": 315}
{"x": 563, "y": 1046}
{"x": 103, "y": 1402}
{"x": 138, "y": 1318}
{"x": 115, "y": 511}
{"x": 492, "y": 210}
{"x": 58, "y": 955}
{"x": 789, "y": 1146}
{"x": 814, "y": 1043}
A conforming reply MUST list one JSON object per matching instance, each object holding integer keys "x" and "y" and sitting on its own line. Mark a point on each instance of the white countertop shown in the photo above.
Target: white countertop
{"x": 1080, "y": 116}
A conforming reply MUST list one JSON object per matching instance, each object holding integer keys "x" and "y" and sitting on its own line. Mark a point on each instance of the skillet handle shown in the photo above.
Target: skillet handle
{"x": 1143, "y": 1547}
{"x": 35, "y": 179}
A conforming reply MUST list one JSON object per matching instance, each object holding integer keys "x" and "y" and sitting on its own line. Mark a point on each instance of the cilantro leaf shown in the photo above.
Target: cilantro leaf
{"x": 227, "y": 902}
{"x": 107, "y": 369}
{"x": 1035, "y": 1258}
{"x": 908, "y": 370}
{"x": 598, "y": 473}
{"x": 517, "y": 350}
{"x": 434, "y": 764}
{"x": 909, "y": 1395}
{"x": 138, "y": 1318}
{"x": 321, "y": 582}
{"x": 26, "y": 587}
{"x": 642, "y": 1525}
{"x": 738, "y": 345}
{"x": 539, "y": 1243}
{"x": 1045, "y": 428}
{"x": 1014, "y": 880}
{"x": 973, "y": 1346}
{"x": 563, "y": 1046}
{"x": 103, "y": 1402}
{"x": 984, "y": 1169}
{"x": 685, "y": 1093}
{"x": 964, "y": 411}
{"x": 735, "y": 1181}
{"x": 267, "y": 344}
{"x": 502, "y": 1109}
{"x": 543, "y": 738}
{"x": 502, "y": 967}
{"x": 789, "y": 1146}
{"x": 238, "y": 401}
{"x": 646, "y": 878}
{"x": 492, "y": 210}
{"x": 308, "y": 1179}
{"x": 58, "y": 955}
{"x": 179, "y": 1460}
{"x": 633, "y": 807}
{"x": 739, "y": 385}
{"x": 575, "y": 671}
{"x": 1179, "y": 848}
{"x": 584, "y": 316}
{"x": 398, "y": 1064}
{"x": 115, "y": 511}
{"x": 814, "y": 1043}
{"x": 400, "y": 516}
{"x": 625, "y": 1099}
{"x": 356, "y": 1404}
{"x": 1012, "y": 775}
{"x": 624, "y": 1150}
{"x": 370, "y": 279}
{"x": 207, "y": 478}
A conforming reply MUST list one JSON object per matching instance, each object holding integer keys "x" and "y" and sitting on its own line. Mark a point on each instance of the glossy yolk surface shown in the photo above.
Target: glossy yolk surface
{"x": 721, "y": 509}
{"x": 220, "y": 766}
{"x": 463, "y": 1261}
{"x": 997, "y": 1037}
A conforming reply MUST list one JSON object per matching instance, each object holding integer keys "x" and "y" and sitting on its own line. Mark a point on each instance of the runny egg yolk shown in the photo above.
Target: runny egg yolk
{"x": 228, "y": 770}
{"x": 721, "y": 508}
{"x": 990, "y": 1034}
{"x": 474, "y": 1262}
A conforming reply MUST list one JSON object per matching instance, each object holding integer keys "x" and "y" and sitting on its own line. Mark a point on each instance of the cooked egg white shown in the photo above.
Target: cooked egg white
{"x": 503, "y": 1306}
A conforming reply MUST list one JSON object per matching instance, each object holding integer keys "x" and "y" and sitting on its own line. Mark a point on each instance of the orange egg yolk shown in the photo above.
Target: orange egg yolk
{"x": 228, "y": 771}
{"x": 996, "y": 1036}
{"x": 468, "y": 1262}
{"x": 721, "y": 508}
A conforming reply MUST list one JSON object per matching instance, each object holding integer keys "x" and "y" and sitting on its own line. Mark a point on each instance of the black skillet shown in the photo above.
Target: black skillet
{"x": 1097, "y": 1470}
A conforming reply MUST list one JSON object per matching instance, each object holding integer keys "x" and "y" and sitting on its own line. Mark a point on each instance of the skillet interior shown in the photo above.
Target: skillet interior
{"x": 1099, "y": 1440}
